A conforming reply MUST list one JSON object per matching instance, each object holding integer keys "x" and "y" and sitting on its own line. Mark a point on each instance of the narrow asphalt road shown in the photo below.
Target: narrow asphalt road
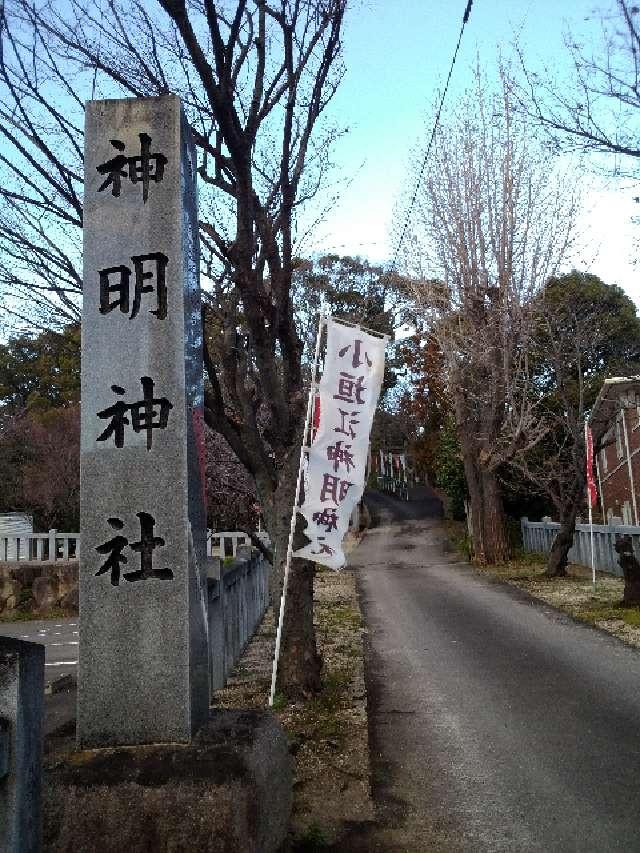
{"x": 58, "y": 636}
{"x": 496, "y": 723}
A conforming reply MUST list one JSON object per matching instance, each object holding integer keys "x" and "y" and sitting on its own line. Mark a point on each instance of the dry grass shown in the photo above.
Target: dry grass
{"x": 329, "y": 733}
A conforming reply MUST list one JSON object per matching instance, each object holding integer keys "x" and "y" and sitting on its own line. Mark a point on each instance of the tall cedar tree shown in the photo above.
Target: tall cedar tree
{"x": 427, "y": 402}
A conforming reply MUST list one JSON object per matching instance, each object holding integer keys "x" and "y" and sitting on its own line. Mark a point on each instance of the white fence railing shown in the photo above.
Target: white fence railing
{"x": 51, "y": 546}
{"x": 225, "y": 544}
{"x": 539, "y": 535}
{"x": 55, "y": 546}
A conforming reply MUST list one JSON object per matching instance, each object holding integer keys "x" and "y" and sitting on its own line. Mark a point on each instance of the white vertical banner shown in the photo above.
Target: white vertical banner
{"x": 337, "y": 458}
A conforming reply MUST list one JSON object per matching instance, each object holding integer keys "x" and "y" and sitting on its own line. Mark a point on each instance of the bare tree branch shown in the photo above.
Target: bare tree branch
{"x": 598, "y": 110}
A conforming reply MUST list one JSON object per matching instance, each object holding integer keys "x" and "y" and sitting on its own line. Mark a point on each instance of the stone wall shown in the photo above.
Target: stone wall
{"x": 39, "y": 587}
{"x": 238, "y": 596}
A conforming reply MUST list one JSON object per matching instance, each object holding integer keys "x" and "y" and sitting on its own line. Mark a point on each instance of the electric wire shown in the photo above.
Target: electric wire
{"x": 465, "y": 18}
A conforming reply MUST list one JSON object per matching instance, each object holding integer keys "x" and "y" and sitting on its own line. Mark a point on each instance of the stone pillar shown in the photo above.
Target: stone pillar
{"x": 21, "y": 732}
{"x": 227, "y": 621}
{"x": 143, "y": 673}
{"x": 253, "y": 595}
{"x": 52, "y": 545}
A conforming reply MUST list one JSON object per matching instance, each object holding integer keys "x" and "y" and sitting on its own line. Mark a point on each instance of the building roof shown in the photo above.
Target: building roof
{"x": 608, "y": 403}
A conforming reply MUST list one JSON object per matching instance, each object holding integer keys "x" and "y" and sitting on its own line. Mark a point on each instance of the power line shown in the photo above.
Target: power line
{"x": 465, "y": 18}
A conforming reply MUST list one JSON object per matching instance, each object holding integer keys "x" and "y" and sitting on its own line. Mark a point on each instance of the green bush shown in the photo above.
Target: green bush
{"x": 449, "y": 469}
{"x": 313, "y": 840}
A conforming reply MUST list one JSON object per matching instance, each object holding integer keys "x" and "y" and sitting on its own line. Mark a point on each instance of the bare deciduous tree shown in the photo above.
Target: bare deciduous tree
{"x": 491, "y": 224}
{"x": 255, "y": 79}
{"x": 40, "y": 181}
{"x": 597, "y": 110}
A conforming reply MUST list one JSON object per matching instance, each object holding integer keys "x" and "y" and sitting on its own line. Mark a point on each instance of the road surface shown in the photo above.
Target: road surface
{"x": 60, "y": 639}
{"x": 496, "y": 723}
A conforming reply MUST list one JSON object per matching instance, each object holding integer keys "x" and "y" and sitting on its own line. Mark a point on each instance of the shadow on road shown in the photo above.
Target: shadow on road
{"x": 385, "y": 509}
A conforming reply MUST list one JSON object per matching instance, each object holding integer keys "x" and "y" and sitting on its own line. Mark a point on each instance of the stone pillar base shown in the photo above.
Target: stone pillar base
{"x": 230, "y": 789}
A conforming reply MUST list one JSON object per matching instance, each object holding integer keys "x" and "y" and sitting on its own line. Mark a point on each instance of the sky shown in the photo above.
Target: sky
{"x": 397, "y": 55}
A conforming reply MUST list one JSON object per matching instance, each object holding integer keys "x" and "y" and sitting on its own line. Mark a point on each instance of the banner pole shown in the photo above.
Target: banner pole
{"x": 593, "y": 562}
{"x": 589, "y": 474}
{"x": 287, "y": 565}
{"x": 604, "y": 517}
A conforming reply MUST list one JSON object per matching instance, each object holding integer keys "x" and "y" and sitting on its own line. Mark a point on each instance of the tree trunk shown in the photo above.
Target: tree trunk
{"x": 496, "y": 539}
{"x": 558, "y": 556}
{"x": 300, "y": 665}
{"x": 631, "y": 570}
{"x": 489, "y": 540}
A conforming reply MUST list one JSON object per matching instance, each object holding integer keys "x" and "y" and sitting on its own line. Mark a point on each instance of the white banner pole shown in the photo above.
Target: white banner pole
{"x": 287, "y": 565}
{"x": 604, "y": 517}
{"x": 590, "y": 474}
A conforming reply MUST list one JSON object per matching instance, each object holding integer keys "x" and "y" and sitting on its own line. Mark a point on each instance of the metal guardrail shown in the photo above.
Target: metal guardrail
{"x": 538, "y": 536}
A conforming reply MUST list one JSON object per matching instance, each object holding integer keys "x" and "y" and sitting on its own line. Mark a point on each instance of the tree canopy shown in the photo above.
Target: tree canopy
{"x": 255, "y": 80}
{"x": 588, "y": 331}
{"x": 39, "y": 372}
{"x": 584, "y": 331}
{"x": 354, "y": 290}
